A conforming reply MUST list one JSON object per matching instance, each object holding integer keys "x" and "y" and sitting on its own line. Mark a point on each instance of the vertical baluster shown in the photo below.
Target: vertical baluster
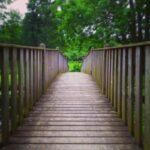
{"x": 119, "y": 100}
{"x": 108, "y": 76}
{"x": 104, "y": 72}
{"x": 31, "y": 79}
{"x": 130, "y": 98}
{"x": 147, "y": 99}
{"x": 138, "y": 94}
{"x": 115, "y": 77}
{"x": 14, "y": 89}
{"x": 106, "y": 84}
{"x": 124, "y": 84}
{"x": 44, "y": 71}
{"x": 112, "y": 78}
{"x": 27, "y": 96}
{"x": 35, "y": 75}
{"x": 21, "y": 79}
{"x": 5, "y": 95}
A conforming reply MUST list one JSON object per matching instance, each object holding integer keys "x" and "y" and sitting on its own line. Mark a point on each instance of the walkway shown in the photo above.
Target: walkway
{"x": 72, "y": 115}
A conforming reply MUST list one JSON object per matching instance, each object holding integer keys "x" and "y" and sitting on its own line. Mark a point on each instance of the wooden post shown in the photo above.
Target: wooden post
{"x": 138, "y": 95}
{"x": 5, "y": 95}
{"x": 21, "y": 79}
{"x": 104, "y": 73}
{"x": 124, "y": 85}
{"x": 106, "y": 84}
{"x": 14, "y": 73}
{"x": 147, "y": 99}
{"x": 44, "y": 69}
{"x": 112, "y": 78}
{"x": 31, "y": 79}
{"x": 130, "y": 99}
{"x": 27, "y": 88}
{"x": 115, "y": 77}
{"x": 119, "y": 97}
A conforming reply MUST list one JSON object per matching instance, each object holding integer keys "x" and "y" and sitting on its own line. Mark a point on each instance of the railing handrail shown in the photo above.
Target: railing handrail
{"x": 118, "y": 47}
{"x": 26, "y": 47}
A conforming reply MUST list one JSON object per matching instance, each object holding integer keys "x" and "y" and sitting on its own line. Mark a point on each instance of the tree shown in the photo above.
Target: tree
{"x": 38, "y": 24}
{"x": 11, "y": 29}
{"x": 3, "y": 13}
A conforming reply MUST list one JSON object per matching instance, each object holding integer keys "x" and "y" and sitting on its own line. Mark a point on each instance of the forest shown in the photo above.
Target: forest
{"x": 76, "y": 26}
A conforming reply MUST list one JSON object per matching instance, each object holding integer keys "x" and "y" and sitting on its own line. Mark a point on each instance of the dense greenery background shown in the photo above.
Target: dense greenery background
{"x": 76, "y": 25}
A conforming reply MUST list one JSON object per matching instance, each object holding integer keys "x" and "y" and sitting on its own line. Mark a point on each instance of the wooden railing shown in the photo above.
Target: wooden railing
{"x": 123, "y": 74}
{"x": 25, "y": 74}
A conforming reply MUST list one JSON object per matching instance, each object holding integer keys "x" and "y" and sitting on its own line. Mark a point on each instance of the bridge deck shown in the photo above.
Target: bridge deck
{"x": 72, "y": 115}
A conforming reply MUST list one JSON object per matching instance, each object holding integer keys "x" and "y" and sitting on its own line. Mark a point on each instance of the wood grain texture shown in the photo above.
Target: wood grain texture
{"x": 14, "y": 93}
{"x": 5, "y": 95}
{"x": 147, "y": 99}
{"x": 72, "y": 112}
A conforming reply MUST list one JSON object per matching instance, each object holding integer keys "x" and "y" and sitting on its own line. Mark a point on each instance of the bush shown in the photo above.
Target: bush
{"x": 75, "y": 66}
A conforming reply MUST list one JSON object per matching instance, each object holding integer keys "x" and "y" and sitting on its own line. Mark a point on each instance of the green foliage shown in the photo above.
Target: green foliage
{"x": 75, "y": 26}
{"x": 11, "y": 29}
{"x": 74, "y": 66}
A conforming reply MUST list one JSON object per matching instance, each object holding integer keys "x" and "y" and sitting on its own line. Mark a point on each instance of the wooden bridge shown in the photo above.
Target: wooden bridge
{"x": 106, "y": 107}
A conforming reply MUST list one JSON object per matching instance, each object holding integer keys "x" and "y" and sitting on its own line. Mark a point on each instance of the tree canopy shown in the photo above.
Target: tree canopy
{"x": 77, "y": 25}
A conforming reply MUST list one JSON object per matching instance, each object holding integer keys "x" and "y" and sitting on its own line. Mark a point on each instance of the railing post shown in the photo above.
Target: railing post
{"x": 43, "y": 70}
{"x": 138, "y": 95}
{"x": 5, "y": 95}
{"x": 147, "y": 100}
{"x": 130, "y": 99}
{"x": 124, "y": 84}
{"x": 21, "y": 76}
{"x": 14, "y": 72}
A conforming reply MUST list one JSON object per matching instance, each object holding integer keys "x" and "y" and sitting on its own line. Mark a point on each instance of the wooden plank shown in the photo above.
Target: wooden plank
{"x": 14, "y": 93}
{"x": 107, "y": 60}
{"x": 112, "y": 78}
{"x": 147, "y": 99}
{"x": 21, "y": 78}
{"x": 109, "y": 73}
{"x": 115, "y": 78}
{"x": 44, "y": 70}
{"x": 38, "y": 75}
{"x": 5, "y": 95}
{"x": 130, "y": 100}
{"x": 104, "y": 73}
{"x": 138, "y": 96}
{"x": 31, "y": 78}
{"x": 119, "y": 97}
{"x": 27, "y": 88}
{"x": 124, "y": 85}
{"x": 35, "y": 76}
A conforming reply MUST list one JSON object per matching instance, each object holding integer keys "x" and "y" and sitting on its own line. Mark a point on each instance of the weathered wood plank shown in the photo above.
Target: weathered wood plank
{"x": 138, "y": 95}
{"x": 147, "y": 100}
{"x": 27, "y": 87}
{"x": 130, "y": 99}
{"x": 31, "y": 78}
{"x": 115, "y": 78}
{"x": 5, "y": 95}
{"x": 14, "y": 93}
{"x": 119, "y": 94}
{"x": 124, "y": 84}
{"x": 21, "y": 82}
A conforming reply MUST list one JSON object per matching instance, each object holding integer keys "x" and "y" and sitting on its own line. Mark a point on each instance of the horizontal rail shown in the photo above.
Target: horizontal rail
{"x": 25, "y": 74}
{"x": 123, "y": 74}
{"x": 25, "y": 47}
